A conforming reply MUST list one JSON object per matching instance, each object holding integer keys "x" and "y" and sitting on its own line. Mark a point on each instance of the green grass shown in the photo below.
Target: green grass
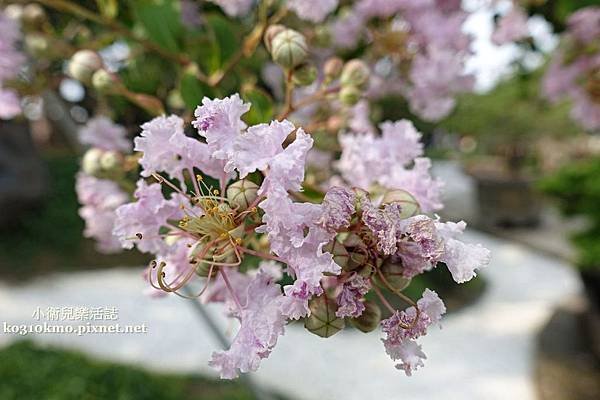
{"x": 28, "y": 371}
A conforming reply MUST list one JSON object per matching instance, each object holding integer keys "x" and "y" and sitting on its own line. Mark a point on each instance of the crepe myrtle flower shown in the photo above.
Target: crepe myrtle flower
{"x": 574, "y": 70}
{"x": 203, "y": 208}
{"x": 102, "y": 184}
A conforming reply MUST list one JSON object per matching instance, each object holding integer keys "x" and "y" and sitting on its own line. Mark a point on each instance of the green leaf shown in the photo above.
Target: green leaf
{"x": 161, "y": 20}
{"x": 262, "y": 106}
{"x": 223, "y": 44}
{"x": 193, "y": 90}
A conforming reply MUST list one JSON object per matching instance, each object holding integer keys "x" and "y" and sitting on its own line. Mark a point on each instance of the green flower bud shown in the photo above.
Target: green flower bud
{"x": 392, "y": 272}
{"x": 350, "y": 95}
{"x": 271, "y": 32}
{"x": 367, "y": 270}
{"x": 175, "y": 100}
{"x": 90, "y": 163}
{"x": 304, "y": 75}
{"x": 203, "y": 269}
{"x": 339, "y": 252}
{"x": 289, "y": 48}
{"x": 104, "y": 82}
{"x": 322, "y": 320}
{"x": 110, "y": 160}
{"x": 241, "y": 194}
{"x": 333, "y": 68}
{"x": 369, "y": 319}
{"x": 83, "y": 64}
{"x": 322, "y": 37}
{"x": 355, "y": 73}
{"x": 409, "y": 206}
{"x": 36, "y": 44}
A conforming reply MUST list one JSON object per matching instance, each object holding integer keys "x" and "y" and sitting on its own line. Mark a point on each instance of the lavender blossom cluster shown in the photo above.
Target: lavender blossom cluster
{"x": 204, "y": 205}
{"x": 11, "y": 61}
{"x": 574, "y": 71}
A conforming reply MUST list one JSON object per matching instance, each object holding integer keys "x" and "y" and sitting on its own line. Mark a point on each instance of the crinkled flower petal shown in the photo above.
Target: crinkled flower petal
{"x": 101, "y": 132}
{"x": 256, "y": 148}
{"x": 220, "y": 122}
{"x": 261, "y": 324}
{"x": 461, "y": 258}
{"x": 147, "y": 216}
{"x": 349, "y": 300}
{"x": 312, "y": 10}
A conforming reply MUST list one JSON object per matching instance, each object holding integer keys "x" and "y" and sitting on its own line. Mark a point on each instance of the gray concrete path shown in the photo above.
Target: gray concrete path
{"x": 485, "y": 351}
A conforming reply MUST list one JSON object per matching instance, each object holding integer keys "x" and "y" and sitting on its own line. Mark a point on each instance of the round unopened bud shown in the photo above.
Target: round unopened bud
{"x": 333, "y": 68}
{"x": 270, "y": 33}
{"x": 392, "y": 272}
{"x": 350, "y": 95}
{"x": 14, "y": 12}
{"x": 355, "y": 73}
{"x": 304, "y": 75}
{"x": 110, "y": 160}
{"x": 103, "y": 81}
{"x": 356, "y": 259}
{"x": 83, "y": 64}
{"x": 90, "y": 163}
{"x": 203, "y": 269}
{"x": 409, "y": 206}
{"x": 289, "y": 48}
{"x": 369, "y": 319}
{"x": 322, "y": 36}
{"x": 241, "y": 194}
{"x": 322, "y": 320}
{"x": 36, "y": 44}
{"x": 335, "y": 123}
{"x": 33, "y": 15}
{"x": 338, "y": 251}
{"x": 175, "y": 99}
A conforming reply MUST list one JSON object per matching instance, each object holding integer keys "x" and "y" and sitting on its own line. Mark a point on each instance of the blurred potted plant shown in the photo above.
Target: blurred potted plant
{"x": 576, "y": 188}
{"x": 501, "y": 130}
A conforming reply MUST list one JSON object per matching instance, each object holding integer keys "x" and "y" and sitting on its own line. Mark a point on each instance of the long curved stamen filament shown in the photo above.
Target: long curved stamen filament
{"x": 236, "y": 300}
{"x": 403, "y": 297}
{"x": 260, "y": 254}
{"x": 190, "y": 274}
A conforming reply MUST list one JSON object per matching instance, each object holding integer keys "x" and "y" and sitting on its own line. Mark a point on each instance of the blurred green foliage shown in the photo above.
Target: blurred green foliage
{"x": 32, "y": 372}
{"x": 54, "y": 224}
{"x": 49, "y": 237}
{"x": 557, "y": 11}
{"x": 512, "y": 113}
{"x": 576, "y": 189}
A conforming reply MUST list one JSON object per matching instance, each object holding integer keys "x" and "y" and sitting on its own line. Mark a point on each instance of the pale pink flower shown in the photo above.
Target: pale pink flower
{"x": 462, "y": 259}
{"x": 436, "y": 77}
{"x": 10, "y": 104}
{"x": 146, "y": 216}
{"x": 234, "y": 8}
{"x": 584, "y": 24}
{"x": 512, "y": 27}
{"x": 367, "y": 159}
{"x": 261, "y": 323}
{"x": 220, "y": 122}
{"x": 12, "y": 59}
{"x": 349, "y": 300}
{"x": 403, "y": 327}
{"x": 104, "y": 134}
{"x": 166, "y": 148}
{"x": 99, "y": 199}
{"x": 312, "y": 10}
